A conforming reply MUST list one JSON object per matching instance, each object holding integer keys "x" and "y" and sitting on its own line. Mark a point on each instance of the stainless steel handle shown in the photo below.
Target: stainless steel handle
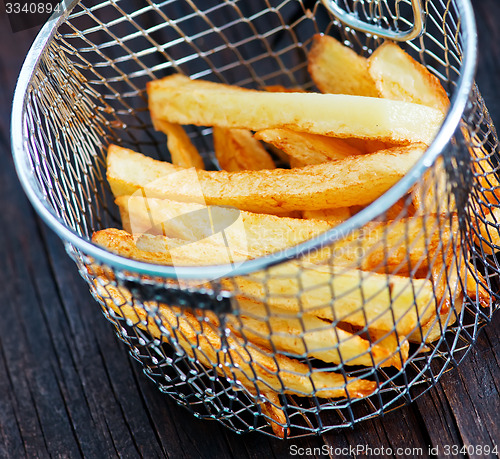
{"x": 211, "y": 300}
{"x": 350, "y": 20}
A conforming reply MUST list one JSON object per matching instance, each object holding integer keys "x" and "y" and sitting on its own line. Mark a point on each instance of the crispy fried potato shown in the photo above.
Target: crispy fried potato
{"x": 399, "y": 77}
{"x": 355, "y": 180}
{"x": 308, "y": 148}
{"x": 485, "y": 172}
{"x": 400, "y": 246}
{"x": 167, "y": 251}
{"x": 487, "y": 223}
{"x": 332, "y": 216}
{"x": 432, "y": 195}
{"x": 335, "y": 294}
{"x": 182, "y": 151}
{"x": 257, "y": 234}
{"x": 274, "y": 414}
{"x": 307, "y": 336}
{"x": 367, "y": 145}
{"x": 248, "y": 365}
{"x": 486, "y": 204}
{"x": 281, "y": 88}
{"x": 401, "y": 208}
{"x": 451, "y": 279}
{"x": 180, "y": 100}
{"x": 337, "y": 69}
{"x": 360, "y": 298}
{"x": 238, "y": 150}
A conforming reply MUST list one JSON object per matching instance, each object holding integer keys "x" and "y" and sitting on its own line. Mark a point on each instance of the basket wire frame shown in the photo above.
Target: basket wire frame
{"x": 87, "y": 90}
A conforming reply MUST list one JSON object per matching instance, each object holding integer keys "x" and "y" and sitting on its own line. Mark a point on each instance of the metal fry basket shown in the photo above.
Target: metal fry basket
{"x": 213, "y": 338}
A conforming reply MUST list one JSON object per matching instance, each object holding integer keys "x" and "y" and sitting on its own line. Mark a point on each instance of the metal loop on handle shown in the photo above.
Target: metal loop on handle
{"x": 350, "y": 20}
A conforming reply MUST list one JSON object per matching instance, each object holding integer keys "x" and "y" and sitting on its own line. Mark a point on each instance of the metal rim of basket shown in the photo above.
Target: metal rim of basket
{"x": 29, "y": 184}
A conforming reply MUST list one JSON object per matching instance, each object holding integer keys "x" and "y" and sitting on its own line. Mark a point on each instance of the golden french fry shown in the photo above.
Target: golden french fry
{"x": 307, "y": 336}
{"x": 360, "y": 298}
{"x": 281, "y": 88}
{"x": 181, "y": 149}
{"x": 399, "y": 246}
{"x": 486, "y": 203}
{"x": 238, "y": 150}
{"x": 332, "y": 216}
{"x": 248, "y": 365}
{"x": 257, "y": 234}
{"x": 451, "y": 278}
{"x": 274, "y": 414}
{"x": 400, "y": 77}
{"x": 323, "y": 341}
{"x": 308, "y": 148}
{"x": 355, "y": 180}
{"x": 337, "y": 69}
{"x": 166, "y": 251}
{"x": 401, "y": 208}
{"x": 383, "y": 302}
{"x": 367, "y": 145}
{"x": 487, "y": 222}
{"x": 180, "y": 100}
{"x": 432, "y": 194}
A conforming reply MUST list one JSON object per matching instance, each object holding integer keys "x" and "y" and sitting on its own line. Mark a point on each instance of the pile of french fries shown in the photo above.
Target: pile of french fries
{"x": 358, "y": 302}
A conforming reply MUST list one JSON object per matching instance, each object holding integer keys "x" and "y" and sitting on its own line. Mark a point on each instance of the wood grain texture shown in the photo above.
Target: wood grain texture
{"x": 69, "y": 389}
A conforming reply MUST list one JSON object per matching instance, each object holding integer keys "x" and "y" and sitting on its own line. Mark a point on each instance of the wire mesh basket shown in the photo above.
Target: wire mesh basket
{"x": 214, "y": 338}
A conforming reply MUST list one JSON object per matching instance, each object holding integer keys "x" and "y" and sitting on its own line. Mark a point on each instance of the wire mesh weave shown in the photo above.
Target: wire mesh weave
{"x": 88, "y": 90}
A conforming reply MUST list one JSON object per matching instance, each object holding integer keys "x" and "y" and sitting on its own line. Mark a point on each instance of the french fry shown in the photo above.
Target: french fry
{"x": 309, "y": 149}
{"x": 307, "y": 336}
{"x": 281, "y": 88}
{"x": 337, "y": 69}
{"x": 451, "y": 280}
{"x": 360, "y": 298}
{"x": 487, "y": 199}
{"x": 432, "y": 194}
{"x": 401, "y": 208}
{"x": 180, "y": 100}
{"x": 355, "y": 180}
{"x": 238, "y": 150}
{"x": 399, "y": 77}
{"x": 368, "y": 145}
{"x": 275, "y": 414}
{"x": 181, "y": 149}
{"x": 257, "y": 234}
{"x": 319, "y": 336}
{"x": 332, "y": 216}
{"x": 400, "y": 246}
{"x": 166, "y": 251}
{"x": 248, "y": 365}
{"x": 487, "y": 223}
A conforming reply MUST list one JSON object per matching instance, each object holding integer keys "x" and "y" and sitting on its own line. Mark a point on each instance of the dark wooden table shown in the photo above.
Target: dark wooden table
{"x": 68, "y": 387}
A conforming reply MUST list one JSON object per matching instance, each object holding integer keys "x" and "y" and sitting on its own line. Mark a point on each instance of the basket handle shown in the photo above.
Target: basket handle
{"x": 218, "y": 301}
{"x": 351, "y": 19}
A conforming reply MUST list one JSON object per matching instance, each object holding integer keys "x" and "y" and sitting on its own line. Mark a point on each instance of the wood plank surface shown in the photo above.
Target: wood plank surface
{"x": 68, "y": 388}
